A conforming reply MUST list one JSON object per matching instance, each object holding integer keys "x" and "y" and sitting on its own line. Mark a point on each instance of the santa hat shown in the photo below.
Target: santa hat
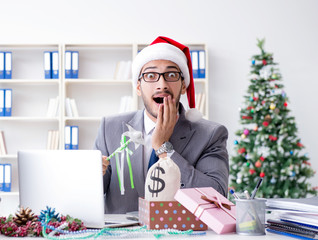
{"x": 163, "y": 48}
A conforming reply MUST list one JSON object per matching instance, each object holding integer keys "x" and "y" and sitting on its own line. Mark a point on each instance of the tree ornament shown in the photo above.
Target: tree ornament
{"x": 248, "y": 164}
{"x": 274, "y": 76}
{"x": 262, "y": 158}
{"x": 283, "y": 94}
{"x": 299, "y": 144}
{"x": 262, "y": 174}
{"x": 285, "y": 104}
{"x": 252, "y": 171}
{"x": 255, "y": 128}
{"x": 268, "y": 118}
{"x": 23, "y": 216}
{"x": 291, "y": 152}
{"x": 272, "y": 138}
{"x": 253, "y": 62}
{"x": 276, "y": 111}
{"x": 243, "y": 136}
{"x": 272, "y": 106}
{"x": 258, "y": 164}
{"x": 239, "y": 181}
{"x": 273, "y": 180}
{"x": 247, "y": 117}
{"x": 235, "y": 142}
{"x": 263, "y": 102}
{"x": 265, "y": 123}
{"x": 246, "y": 132}
{"x": 264, "y": 62}
{"x": 241, "y": 150}
{"x": 292, "y": 174}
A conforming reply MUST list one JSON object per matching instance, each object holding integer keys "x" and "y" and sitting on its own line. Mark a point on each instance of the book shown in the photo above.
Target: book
{"x": 1, "y": 176}
{"x": 8, "y": 102}
{"x": 202, "y": 66}
{"x": 7, "y": 177}
{"x": 68, "y": 64}
{"x": 75, "y": 61}
{"x": 292, "y": 229}
{"x": 3, "y": 148}
{"x": 52, "y": 140}
{"x": 55, "y": 65}
{"x": 67, "y": 137}
{"x": 68, "y": 110}
{"x": 195, "y": 63}
{"x": 47, "y": 65}
{"x": 2, "y": 110}
{"x": 53, "y": 107}
{"x": 123, "y": 70}
{"x": 2, "y": 66}
{"x": 74, "y": 107}
{"x": 8, "y": 65}
{"x": 74, "y": 137}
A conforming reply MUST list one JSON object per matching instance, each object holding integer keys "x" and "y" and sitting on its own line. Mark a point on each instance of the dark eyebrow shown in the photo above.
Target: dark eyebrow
{"x": 168, "y": 67}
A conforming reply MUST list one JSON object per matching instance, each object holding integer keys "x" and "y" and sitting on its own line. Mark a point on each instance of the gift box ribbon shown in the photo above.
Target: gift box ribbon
{"x": 215, "y": 200}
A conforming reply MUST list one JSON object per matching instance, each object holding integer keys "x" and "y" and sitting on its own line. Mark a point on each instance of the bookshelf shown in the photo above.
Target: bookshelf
{"x": 97, "y": 92}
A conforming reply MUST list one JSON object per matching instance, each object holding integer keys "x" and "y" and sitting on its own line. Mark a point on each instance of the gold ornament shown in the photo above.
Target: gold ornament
{"x": 276, "y": 110}
{"x": 23, "y": 216}
{"x": 243, "y": 136}
{"x": 272, "y": 106}
{"x": 268, "y": 118}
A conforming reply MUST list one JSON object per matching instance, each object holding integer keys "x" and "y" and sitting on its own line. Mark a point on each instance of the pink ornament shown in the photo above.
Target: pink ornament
{"x": 246, "y": 132}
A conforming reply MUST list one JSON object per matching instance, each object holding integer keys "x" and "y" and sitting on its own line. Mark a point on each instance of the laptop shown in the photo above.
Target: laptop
{"x": 70, "y": 181}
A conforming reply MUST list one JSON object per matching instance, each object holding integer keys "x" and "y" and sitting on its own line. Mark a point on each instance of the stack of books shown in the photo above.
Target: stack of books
{"x": 294, "y": 217}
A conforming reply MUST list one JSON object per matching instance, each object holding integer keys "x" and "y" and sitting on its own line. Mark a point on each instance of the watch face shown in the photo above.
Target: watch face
{"x": 168, "y": 146}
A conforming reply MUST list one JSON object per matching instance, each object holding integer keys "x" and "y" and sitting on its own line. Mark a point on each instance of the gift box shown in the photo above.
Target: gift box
{"x": 168, "y": 215}
{"x": 210, "y": 207}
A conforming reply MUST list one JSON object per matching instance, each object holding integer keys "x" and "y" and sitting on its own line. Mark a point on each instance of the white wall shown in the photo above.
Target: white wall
{"x": 229, "y": 27}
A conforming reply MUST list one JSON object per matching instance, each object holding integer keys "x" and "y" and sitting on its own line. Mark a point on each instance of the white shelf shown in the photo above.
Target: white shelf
{"x": 97, "y": 81}
{"x": 30, "y": 119}
{"x": 8, "y": 156}
{"x": 9, "y": 193}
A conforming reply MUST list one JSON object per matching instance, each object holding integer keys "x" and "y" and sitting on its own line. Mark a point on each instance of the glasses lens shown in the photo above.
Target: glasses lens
{"x": 151, "y": 76}
{"x": 172, "y": 76}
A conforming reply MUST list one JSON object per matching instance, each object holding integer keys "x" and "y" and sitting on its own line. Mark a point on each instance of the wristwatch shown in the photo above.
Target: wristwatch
{"x": 166, "y": 147}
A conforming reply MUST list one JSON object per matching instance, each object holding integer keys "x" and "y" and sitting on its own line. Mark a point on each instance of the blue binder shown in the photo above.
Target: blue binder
{"x": 7, "y": 177}
{"x": 47, "y": 65}
{"x": 2, "y": 65}
{"x": 202, "y": 64}
{"x": 74, "y": 138}
{"x": 68, "y": 64}
{"x": 75, "y": 55}
{"x": 67, "y": 137}
{"x": 55, "y": 65}
{"x": 8, "y": 102}
{"x": 1, "y": 177}
{"x": 195, "y": 63}
{"x": 8, "y": 65}
{"x": 2, "y": 110}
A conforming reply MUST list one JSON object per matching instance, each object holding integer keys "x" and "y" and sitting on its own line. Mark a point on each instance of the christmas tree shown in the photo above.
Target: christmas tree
{"x": 267, "y": 146}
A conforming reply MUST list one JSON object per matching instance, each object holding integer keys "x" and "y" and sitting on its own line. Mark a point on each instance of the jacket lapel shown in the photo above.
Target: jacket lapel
{"x": 182, "y": 132}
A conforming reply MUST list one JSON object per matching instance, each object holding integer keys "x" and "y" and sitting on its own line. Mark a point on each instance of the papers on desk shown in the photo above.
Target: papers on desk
{"x": 301, "y": 204}
{"x": 294, "y": 217}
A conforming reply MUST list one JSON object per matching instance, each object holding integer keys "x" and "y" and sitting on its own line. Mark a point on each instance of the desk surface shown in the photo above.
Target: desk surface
{"x": 209, "y": 235}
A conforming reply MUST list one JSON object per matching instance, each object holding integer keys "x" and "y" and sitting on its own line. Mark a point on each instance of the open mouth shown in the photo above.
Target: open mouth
{"x": 158, "y": 100}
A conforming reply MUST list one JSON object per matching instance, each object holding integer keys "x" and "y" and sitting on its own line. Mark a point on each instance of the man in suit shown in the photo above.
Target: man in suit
{"x": 162, "y": 72}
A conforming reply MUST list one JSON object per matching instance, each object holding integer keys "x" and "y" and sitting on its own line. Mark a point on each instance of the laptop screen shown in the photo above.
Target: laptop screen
{"x": 68, "y": 180}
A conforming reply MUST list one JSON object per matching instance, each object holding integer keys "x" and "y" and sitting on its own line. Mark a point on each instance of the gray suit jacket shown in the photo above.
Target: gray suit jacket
{"x": 200, "y": 153}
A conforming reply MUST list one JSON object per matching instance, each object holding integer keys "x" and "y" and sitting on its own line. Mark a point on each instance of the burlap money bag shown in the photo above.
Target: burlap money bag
{"x": 162, "y": 181}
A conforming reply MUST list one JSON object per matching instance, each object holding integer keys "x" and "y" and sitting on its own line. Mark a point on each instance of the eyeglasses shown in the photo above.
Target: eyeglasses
{"x": 154, "y": 76}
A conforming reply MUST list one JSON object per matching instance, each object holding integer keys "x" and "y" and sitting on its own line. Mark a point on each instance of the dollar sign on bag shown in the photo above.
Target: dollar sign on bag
{"x": 156, "y": 180}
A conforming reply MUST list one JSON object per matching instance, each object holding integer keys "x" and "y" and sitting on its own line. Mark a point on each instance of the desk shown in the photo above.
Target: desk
{"x": 209, "y": 235}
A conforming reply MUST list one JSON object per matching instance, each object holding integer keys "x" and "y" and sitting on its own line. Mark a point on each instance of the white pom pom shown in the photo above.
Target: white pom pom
{"x": 193, "y": 115}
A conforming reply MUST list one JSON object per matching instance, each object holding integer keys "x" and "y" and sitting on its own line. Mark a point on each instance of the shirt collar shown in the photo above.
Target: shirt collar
{"x": 148, "y": 123}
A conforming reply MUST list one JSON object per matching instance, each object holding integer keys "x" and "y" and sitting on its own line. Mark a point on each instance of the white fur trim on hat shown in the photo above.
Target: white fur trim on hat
{"x": 160, "y": 51}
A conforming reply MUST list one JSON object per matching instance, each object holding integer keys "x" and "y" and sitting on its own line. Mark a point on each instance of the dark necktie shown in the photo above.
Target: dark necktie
{"x": 153, "y": 158}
